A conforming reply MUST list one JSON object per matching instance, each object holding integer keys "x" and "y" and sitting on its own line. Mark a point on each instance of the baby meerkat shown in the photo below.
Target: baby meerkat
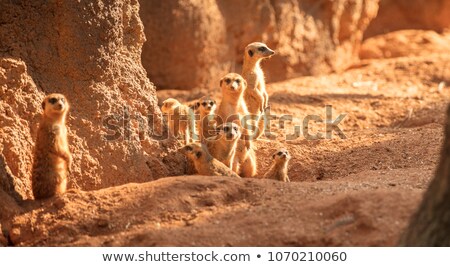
{"x": 223, "y": 145}
{"x": 52, "y": 158}
{"x": 245, "y": 159}
{"x": 205, "y": 107}
{"x": 256, "y": 97}
{"x": 204, "y": 163}
{"x": 232, "y": 107}
{"x": 180, "y": 118}
{"x": 279, "y": 168}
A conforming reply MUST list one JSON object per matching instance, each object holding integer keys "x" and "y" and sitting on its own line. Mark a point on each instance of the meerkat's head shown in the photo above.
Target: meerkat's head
{"x": 229, "y": 130}
{"x": 195, "y": 151}
{"x": 281, "y": 156}
{"x": 169, "y": 105}
{"x": 233, "y": 84}
{"x": 256, "y": 51}
{"x": 206, "y": 105}
{"x": 55, "y": 106}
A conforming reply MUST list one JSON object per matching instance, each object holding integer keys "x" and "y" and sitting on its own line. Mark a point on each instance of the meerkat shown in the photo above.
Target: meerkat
{"x": 52, "y": 158}
{"x": 279, "y": 168}
{"x": 181, "y": 119}
{"x": 223, "y": 145}
{"x": 256, "y": 97}
{"x": 204, "y": 163}
{"x": 205, "y": 108}
{"x": 232, "y": 107}
{"x": 245, "y": 159}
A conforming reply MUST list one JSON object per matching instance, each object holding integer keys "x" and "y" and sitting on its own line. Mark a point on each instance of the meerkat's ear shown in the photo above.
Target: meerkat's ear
{"x": 221, "y": 80}
{"x": 43, "y": 104}
{"x": 250, "y": 53}
{"x": 273, "y": 156}
{"x": 244, "y": 82}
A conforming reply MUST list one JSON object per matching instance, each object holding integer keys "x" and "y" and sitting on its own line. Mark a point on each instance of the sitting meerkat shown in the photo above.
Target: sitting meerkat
{"x": 279, "y": 168}
{"x": 204, "y": 163}
{"x": 256, "y": 97}
{"x": 52, "y": 159}
{"x": 205, "y": 107}
{"x": 232, "y": 107}
{"x": 223, "y": 145}
{"x": 245, "y": 159}
{"x": 180, "y": 118}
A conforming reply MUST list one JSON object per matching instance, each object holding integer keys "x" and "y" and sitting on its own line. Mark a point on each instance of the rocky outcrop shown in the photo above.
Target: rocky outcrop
{"x": 410, "y": 14}
{"x": 205, "y": 39}
{"x": 90, "y": 52}
{"x": 405, "y": 43}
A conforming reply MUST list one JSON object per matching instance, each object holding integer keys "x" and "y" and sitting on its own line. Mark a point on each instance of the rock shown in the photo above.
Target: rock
{"x": 205, "y": 39}
{"x": 405, "y": 43}
{"x": 410, "y": 14}
{"x": 90, "y": 52}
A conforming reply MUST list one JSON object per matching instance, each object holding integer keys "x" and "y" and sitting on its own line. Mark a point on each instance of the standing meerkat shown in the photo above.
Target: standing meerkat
{"x": 223, "y": 145}
{"x": 245, "y": 159}
{"x": 205, "y": 107}
{"x": 279, "y": 168}
{"x": 256, "y": 97}
{"x": 52, "y": 159}
{"x": 232, "y": 107}
{"x": 180, "y": 118}
{"x": 204, "y": 163}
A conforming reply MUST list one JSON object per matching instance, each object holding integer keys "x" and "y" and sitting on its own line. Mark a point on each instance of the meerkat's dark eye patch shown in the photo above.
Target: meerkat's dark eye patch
{"x": 262, "y": 48}
{"x": 238, "y": 81}
{"x": 53, "y": 100}
{"x": 198, "y": 154}
{"x": 250, "y": 53}
{"x": 228, "y": 80}
{"x": 280, "y": 153}
{"x": 63, "y": 100}
{"x": 204, "y": 104}
{"x": 226, "y": 129}
{"x": 212, "y": 103}
{"x": 188, "y": 148}
{"x": 235, "y": 128}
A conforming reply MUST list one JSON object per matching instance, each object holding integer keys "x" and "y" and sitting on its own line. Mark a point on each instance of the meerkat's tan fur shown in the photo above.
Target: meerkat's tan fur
{"x": 279, "y": 168}
{"x": 52, "y": 158}
{"x": 232, "y": 107}
{"x": 255, "y": 96}
{"x": 223, "y": 145}
{"x": 205, "y": 108}
{"x": 245, "y": 159}
{"x": 204, "y": 163}
{"x": 180, "y": 118}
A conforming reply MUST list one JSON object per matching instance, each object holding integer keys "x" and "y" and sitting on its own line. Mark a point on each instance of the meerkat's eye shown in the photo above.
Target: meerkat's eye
{"x": 238, "y": 81}
{"x": 198, "y": 154}
{"x": 226, "y": 129}
{"x": 52, "y": 100}
{"x": 227, "y": 80}
{"x": 63, "y": 100}
{"x": 280, "y": 153}
{"x": 211, "y": 103}
{"x": 262, "y": 48}
{"x": 204, "y": 104}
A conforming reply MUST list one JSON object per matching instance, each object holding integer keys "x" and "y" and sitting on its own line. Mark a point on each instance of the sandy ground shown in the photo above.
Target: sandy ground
{"x": 358, "y": 191}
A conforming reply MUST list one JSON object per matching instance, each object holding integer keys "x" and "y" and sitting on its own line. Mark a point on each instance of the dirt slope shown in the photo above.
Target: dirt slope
{"x": 355, "y": 191}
